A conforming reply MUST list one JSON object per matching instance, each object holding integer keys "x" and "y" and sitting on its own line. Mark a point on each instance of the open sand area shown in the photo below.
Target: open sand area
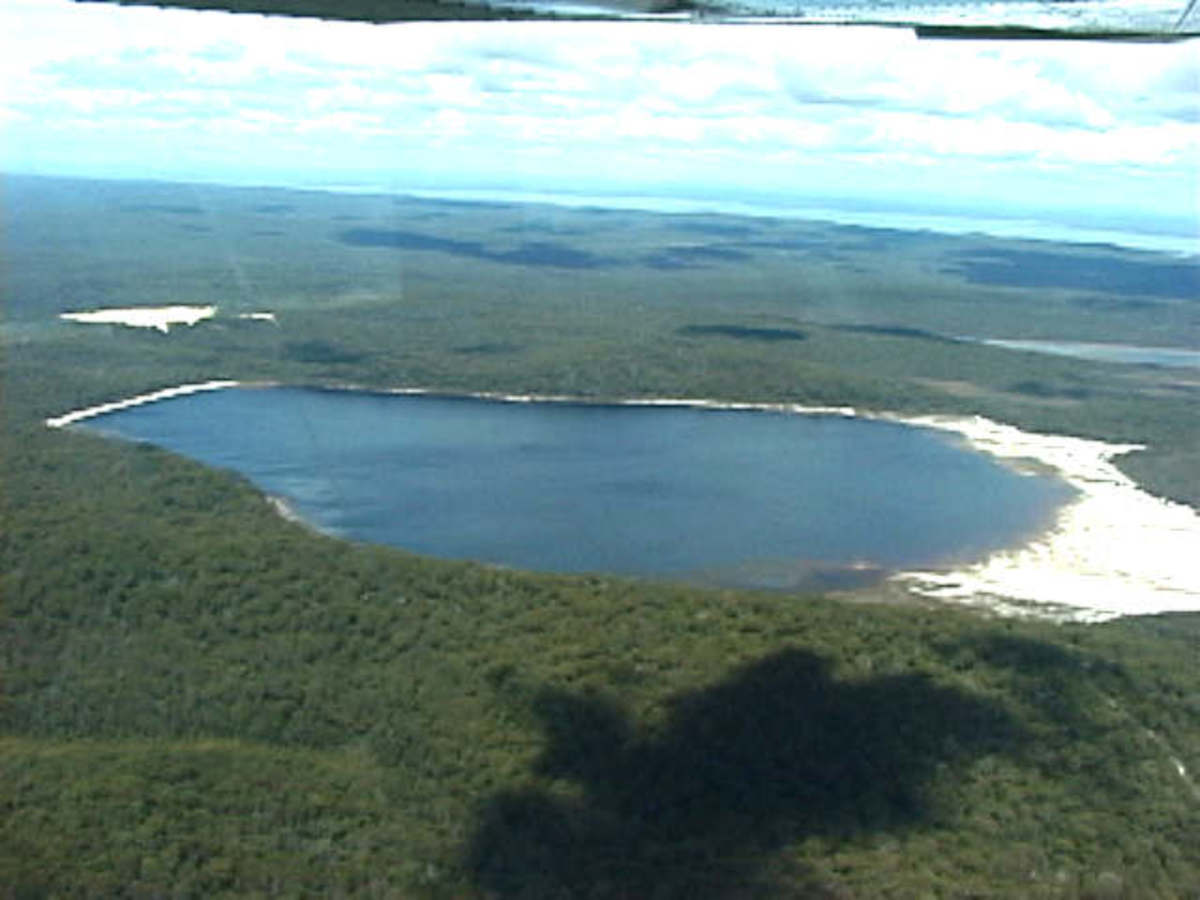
{"x": 157, "y": 317}
{"x": 160, "y": 318}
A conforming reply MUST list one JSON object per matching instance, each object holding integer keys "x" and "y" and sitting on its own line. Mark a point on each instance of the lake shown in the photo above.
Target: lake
{"x": 746, "y": 498}
{"x": 1119, "y": 353}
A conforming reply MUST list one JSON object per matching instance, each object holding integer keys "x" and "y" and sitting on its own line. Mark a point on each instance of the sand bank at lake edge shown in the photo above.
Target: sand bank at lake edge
{"x": 1115, "y": 550}
{"x": 181, "y": 390}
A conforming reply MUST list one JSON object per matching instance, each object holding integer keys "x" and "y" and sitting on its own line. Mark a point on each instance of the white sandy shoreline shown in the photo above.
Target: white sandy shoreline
{"x": 91, "y": 412}
{"x": 1113, "y": 551}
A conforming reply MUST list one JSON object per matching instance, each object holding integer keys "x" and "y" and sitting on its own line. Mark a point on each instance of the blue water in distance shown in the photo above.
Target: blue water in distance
{"x": 757, "y": 499}
{"x": 1118, "y": 353}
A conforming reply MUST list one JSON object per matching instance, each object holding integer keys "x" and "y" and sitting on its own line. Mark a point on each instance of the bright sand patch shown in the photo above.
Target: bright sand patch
{"x": 165, "y": 394}
{"x": 1114, "y": 550}
{"x": 160, "y": 317}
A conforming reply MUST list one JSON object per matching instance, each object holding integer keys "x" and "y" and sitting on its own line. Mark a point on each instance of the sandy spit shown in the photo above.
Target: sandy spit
{"x": 1113, "y": 551}
{"x": 165, "y": 394}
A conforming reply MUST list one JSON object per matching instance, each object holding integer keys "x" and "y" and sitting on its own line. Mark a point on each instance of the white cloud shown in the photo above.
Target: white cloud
{"x": 774, "y": 107}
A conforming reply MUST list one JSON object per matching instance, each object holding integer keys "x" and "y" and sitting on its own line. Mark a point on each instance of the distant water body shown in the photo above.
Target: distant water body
{"x": 1153, "y": 236}
{"x": 1119, "y": 353}
{"x": 752, "y": 499}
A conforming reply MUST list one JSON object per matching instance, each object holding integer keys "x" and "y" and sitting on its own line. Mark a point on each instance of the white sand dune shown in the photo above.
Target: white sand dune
{"x": 159, "y": 317}
{"x": 1114, "y": 550}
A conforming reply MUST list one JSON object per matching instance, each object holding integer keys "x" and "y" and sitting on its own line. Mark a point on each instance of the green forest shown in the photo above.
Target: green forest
{"x": 203, "y": 699}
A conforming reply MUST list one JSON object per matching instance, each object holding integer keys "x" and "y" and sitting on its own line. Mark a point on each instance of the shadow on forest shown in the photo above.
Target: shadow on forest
{"x": 690, "y": 257}
{"x": 699, "y": 806}
{"x": 1054, "y": 684}
{"x": 741, "y": 332}
{"x": 531, "y": 253}
{"x": 1105, "y": 273}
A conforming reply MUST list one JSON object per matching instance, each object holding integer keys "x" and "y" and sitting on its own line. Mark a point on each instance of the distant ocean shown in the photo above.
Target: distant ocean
{"x": 1150, "y": 237}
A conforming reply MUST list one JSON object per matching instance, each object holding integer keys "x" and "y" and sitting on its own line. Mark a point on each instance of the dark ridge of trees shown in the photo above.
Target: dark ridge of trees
{"x": 549, "y": 253}
{"x": 488, "y": 348}
{"x": 743, "y": 332}
{"x": 319, "y": 351}
{"x": 1032, "y": 387}
{"x": 693, "y": 257}
{"x": 1110, "y": 304}
{"x": 543, "y": 228}
{"x": 895, "y": 331}
{"x": 718, "y": 229}
{"x": 410, "y": 240}
{"x": 823, "y": 244}
{"x": 533, "y": 253}
{"x": 1110, "y": 273}
{"x": 175, "y": 208}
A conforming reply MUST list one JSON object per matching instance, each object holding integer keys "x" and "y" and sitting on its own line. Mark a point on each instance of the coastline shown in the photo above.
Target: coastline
{"x": 1114, "y": 550}
{"x": 1027, "y": 227}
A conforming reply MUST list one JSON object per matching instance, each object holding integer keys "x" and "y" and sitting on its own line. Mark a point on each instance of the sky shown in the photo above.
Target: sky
{"x": 1100, "y": 134}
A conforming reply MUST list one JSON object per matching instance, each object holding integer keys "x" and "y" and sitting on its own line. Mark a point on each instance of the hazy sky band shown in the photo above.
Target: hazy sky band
{"x": 1105, "y": 133}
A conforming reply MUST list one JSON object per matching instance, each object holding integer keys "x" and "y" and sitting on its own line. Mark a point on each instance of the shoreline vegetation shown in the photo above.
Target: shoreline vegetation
{"x": 1122, "y": 549}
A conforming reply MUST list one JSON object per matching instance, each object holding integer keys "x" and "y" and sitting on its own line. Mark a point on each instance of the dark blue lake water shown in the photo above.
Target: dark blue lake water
{"x": 748, "y": 498}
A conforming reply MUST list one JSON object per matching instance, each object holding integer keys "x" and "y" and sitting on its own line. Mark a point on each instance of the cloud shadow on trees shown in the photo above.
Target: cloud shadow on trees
{"x": 550, "y": 254}
{"x": 737, "y": 771}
